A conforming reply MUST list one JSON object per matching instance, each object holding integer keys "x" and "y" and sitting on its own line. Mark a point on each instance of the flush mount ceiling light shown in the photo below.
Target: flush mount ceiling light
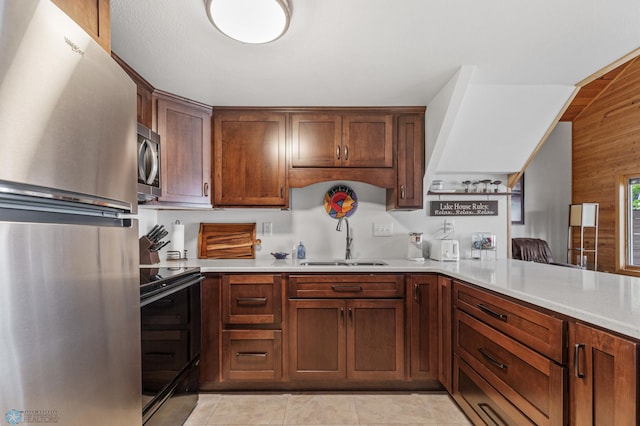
{"x": 250, "y": 21}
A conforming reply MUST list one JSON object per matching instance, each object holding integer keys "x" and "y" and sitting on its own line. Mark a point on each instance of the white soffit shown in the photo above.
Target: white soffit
{"x": 498, "y": 127}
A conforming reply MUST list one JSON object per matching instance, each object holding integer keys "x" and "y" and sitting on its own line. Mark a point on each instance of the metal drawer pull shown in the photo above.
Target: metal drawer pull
{"x": 576, "y": 360}
{"x": 338, "y": 152}
{"x": 347, "y": 288}
{"x": 490, "y": 412}
{"x": 491, "y": 359}
{"x": 494, "y": 314}
{"x": 252, "y": 354}
{"x": 251, "y": 300}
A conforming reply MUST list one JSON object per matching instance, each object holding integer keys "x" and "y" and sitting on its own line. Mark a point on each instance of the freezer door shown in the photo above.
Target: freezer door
{"x": 70, "y": 324}
{"x": 67, "y": 110}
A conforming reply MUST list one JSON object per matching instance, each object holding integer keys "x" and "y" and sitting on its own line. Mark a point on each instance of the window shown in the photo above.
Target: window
{"x": 633, "y": 222}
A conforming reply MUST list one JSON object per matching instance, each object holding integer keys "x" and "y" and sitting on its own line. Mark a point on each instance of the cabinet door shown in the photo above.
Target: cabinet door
{"x": 604, "y": 378}
{"x": 410, "y": 164}
{"x": 424, "y": 326}
{"x": 375, "y": 339}
{"x": 445, "y": 335}
{"x": 210, "y": 351}
{"x": 317, "y": 339}
{"x": 94, "y": 16}
{"x": 316, "y": 140}
{"x": 185, "y": 144}
{"x": 367, "y": 140}
{"x": 249, "y": 159}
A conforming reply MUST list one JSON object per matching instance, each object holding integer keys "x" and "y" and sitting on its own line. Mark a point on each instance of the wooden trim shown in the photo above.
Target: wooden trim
{"x": 615, "y": 64}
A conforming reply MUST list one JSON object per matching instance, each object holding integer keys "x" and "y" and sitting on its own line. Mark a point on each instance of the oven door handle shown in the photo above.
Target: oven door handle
{"x": 171, "y": 290}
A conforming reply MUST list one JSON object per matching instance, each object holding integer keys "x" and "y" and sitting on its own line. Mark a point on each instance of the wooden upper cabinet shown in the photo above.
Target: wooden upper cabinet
{"x": 316, "y": 140}
{"x": 144, "y": 93}
{"x": 341, "y": 140}
{"x": 93, "y": 16}
{"x": 185, "y": 143}
{"x": 410, "y": 163}
{"x": 250, "y": 159}
{"x": 367, "y": 140}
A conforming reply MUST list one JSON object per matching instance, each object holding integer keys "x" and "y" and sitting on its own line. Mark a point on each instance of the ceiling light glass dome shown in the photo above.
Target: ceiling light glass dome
{"x": 250, "y": 21}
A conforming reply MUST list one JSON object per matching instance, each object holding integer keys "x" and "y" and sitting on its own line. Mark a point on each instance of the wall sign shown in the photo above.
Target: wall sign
{"x": 463, "y": 208}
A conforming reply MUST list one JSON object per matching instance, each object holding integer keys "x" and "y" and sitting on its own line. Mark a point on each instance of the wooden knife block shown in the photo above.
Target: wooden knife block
{"x": 147, "y": 257}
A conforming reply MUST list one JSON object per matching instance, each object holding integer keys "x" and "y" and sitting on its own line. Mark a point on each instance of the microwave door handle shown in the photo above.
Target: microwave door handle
{"x": 154, "y": 163}
{"x": 142, "y": 173}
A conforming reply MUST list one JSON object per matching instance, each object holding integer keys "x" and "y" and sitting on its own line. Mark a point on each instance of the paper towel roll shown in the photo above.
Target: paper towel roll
{"x": 177, "y": 237}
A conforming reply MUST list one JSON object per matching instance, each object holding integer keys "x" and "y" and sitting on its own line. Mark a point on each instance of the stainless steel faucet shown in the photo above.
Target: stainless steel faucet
{"x": 347, "y": 253}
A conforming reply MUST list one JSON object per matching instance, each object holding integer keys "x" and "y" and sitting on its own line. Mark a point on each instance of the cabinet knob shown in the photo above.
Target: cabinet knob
{"x": 346, "y": 152}
{"x": 206, "y": 189}
{"x": 402, "y": 192}
{"x": 338, "y": 152}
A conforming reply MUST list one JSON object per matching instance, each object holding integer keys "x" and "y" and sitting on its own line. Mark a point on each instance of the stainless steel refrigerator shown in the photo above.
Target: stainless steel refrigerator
{"x": 69, "y": 267}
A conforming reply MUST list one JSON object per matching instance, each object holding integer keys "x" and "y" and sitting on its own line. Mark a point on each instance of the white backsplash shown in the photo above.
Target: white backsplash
{"x": 308, "y": 222}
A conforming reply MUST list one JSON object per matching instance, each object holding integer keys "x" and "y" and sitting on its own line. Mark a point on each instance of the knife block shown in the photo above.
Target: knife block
{"x": 147, "y": 257}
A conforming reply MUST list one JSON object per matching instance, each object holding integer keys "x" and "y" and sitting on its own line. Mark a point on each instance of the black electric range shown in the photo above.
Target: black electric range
{"x": 170, "y": 318}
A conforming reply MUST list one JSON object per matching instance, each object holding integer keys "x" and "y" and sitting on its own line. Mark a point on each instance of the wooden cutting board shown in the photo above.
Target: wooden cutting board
{"x": 227, "y": 241}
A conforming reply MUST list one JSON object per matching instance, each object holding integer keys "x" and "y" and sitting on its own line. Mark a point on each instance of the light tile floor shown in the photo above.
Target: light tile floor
{"x": 326, "y": 409}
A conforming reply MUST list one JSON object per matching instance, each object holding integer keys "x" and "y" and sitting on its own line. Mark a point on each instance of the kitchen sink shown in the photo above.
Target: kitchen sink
{"x": 342, "y": 263}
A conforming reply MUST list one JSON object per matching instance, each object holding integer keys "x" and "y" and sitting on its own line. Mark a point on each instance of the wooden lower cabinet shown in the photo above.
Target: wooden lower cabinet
{"x": 336, "y": 339}
{"x": 505, "y": 368}
{"x": 480, "y": 401}
{"x": 424, "y": 314}
{"x": 604, "y": 378}
{"x": 530, "y": 381}
{"x": 445, "y": 333}
{"x": 252, "y": 355}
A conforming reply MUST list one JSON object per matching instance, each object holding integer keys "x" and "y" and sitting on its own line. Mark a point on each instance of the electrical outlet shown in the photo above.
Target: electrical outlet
{"x": 382, "y": 229}
{"x": 267, "y": 229}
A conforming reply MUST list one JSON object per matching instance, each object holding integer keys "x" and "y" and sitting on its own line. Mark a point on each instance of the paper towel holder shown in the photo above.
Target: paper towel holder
{"x": 177, "y": 251}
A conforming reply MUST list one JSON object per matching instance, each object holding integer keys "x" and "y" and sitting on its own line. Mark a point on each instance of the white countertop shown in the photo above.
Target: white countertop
{"x": 607, "y": 300}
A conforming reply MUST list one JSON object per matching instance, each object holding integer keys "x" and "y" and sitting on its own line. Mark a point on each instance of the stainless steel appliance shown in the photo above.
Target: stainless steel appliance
{"x": 69, "y": 270}
{"x": 148, "y": 164}
{"x": 171, "y": 324}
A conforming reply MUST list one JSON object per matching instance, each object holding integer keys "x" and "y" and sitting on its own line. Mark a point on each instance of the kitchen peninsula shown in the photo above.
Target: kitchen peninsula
{"x": 522, "y": 341}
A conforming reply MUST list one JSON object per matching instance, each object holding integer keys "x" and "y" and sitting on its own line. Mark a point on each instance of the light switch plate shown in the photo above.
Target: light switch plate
{"x": 382, "y": 229}
{"x": 267, "y": 229}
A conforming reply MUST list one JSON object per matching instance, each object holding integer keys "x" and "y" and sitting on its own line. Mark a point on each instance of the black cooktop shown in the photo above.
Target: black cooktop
{"x": 154, "y": 279}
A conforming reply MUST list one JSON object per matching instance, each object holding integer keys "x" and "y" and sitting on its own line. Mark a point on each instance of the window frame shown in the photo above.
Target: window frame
{"x": 623, "y": 227}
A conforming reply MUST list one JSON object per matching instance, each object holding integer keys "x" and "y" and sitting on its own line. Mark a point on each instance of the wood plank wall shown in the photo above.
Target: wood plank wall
{"x": 606, "y": 145}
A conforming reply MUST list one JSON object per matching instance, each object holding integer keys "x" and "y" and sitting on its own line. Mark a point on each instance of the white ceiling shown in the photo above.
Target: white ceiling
{"x": 373, "y": 52}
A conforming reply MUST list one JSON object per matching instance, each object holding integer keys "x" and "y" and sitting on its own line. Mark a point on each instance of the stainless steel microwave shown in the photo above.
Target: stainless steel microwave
{"x": 149, "y": 186}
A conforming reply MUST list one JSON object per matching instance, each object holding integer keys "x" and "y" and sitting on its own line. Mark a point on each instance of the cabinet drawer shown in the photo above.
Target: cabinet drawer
{"x": 346, "y": 286}
{"x": 535, "y": 329}
{"x": 481, "y": 402}
{"x": 532, "y": 382}
{"x": 251, "y": 299}
{"x": 251, "y": 354}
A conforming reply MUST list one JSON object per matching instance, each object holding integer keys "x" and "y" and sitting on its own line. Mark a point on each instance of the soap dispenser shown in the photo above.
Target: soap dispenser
{"x": 302, "y": 251}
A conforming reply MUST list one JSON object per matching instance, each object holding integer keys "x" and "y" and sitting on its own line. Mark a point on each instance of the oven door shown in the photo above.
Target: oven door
{"x": 170, "y": 328}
